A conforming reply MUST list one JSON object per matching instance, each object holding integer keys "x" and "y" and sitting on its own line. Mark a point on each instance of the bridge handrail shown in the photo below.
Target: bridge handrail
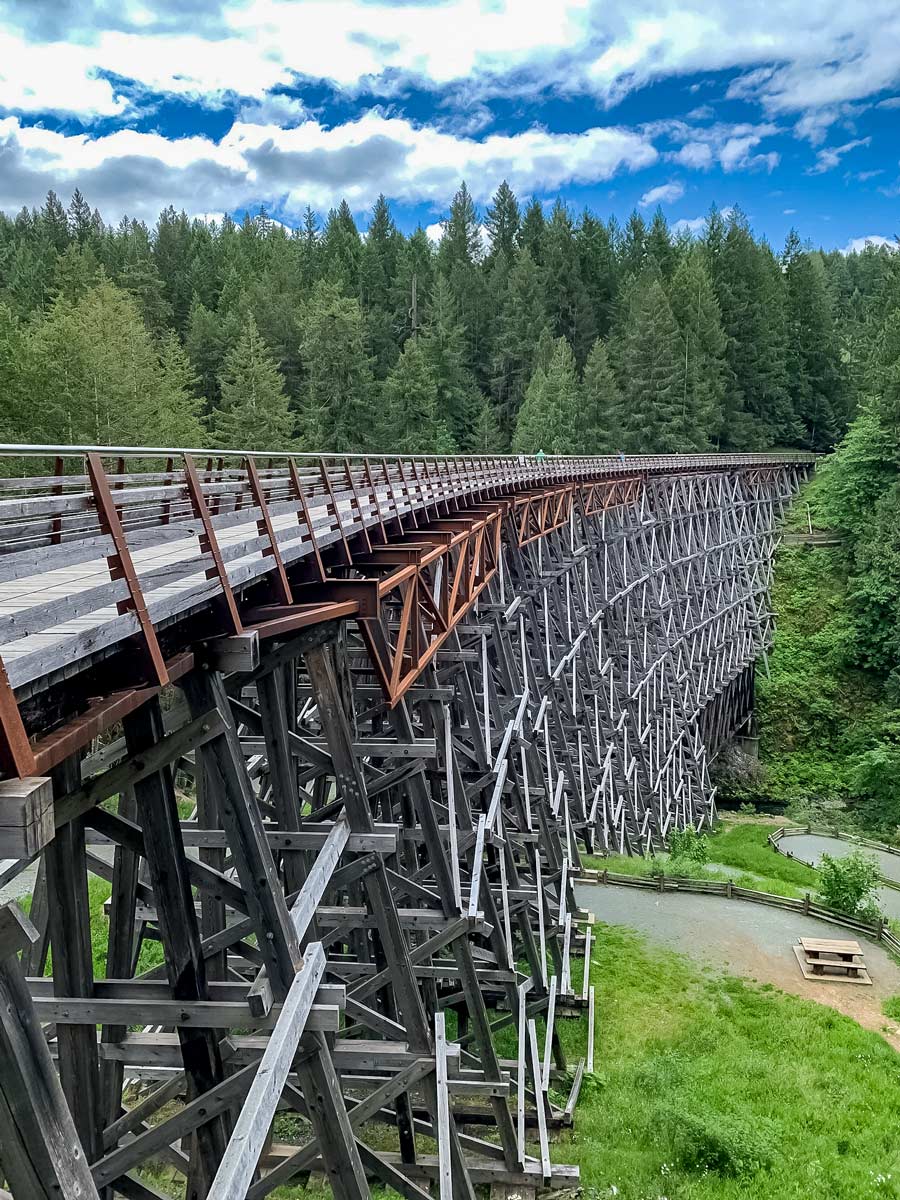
{"x": 29, "y": 450}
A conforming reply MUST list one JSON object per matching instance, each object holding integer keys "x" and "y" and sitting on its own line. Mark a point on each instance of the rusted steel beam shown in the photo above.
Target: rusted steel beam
{"x": 121, "y": 566}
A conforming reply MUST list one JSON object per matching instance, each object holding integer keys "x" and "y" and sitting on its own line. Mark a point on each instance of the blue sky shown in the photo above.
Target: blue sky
{"x": 791, "y": 110}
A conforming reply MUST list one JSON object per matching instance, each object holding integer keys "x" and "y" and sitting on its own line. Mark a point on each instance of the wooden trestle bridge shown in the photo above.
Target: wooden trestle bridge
{"x": 336, "y": 732}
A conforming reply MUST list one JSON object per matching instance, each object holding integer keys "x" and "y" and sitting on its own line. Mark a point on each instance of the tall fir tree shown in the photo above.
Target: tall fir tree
{"x": 533, "y": 230}
{"x": 601, "y": 422}
{"x": 459, "y": 256}
{"x": 522, "y": 316}
{"x": 377, "y": 276}
{"x": 696, "y": 309}
{"x": 659, "y": 245}
{"x": 444, "y": 348}
{"x": 338, "y": 406}
{"x": 341, "y": 249}
{"x": 253, "y": 413}
{"x": 551, "y": 411}
{"x": 97, "y": 376}
{"x": 569, "y": 308}
{"x": 599, "y": 270}
{"x": 650, "y": 374}
{"x": 814, "y": 369}
{"x": 502, "y": 221}
{"x": 413, "y": 424}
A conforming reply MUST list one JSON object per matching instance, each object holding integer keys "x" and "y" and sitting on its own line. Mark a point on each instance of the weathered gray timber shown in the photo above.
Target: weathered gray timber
{"x": 339, "y": 780}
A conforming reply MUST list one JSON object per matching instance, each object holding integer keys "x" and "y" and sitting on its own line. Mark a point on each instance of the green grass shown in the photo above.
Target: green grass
{"x": 98, "y": 893}
{"x": 743, "y": 844}
{"x": 710, "y": 1088}
{"x": 707, "y": 1087}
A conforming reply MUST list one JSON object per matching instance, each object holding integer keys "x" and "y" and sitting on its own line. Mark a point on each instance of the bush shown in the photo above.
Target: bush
{"x": 690, "y": 845}
{"x": 728, "y": 1143}
{"x": 848, "y": 884}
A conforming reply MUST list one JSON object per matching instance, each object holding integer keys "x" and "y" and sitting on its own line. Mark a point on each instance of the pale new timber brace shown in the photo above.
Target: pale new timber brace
{"x": 350, "y": 831}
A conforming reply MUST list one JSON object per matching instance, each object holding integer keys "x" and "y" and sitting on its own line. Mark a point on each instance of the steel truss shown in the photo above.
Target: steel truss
{"x": 389, "y": 804}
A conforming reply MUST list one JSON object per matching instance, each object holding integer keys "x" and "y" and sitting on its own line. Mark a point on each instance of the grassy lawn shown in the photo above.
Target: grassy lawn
{"x": 709, "y": 1087}
{"x": 741, "y": 845}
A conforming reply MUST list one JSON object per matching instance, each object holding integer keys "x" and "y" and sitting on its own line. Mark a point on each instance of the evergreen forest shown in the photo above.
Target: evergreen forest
{"x": 524, "y": 328}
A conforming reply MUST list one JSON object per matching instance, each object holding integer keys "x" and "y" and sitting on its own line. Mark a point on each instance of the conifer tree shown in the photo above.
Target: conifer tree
{"x": 696, "y": 309}
{"x": 54, "y": 222}
{"x": 597, "y": 262}
{"x": 758, "y": 408}
{"x": 458, "y": 258}
{"x": 341, "y": 249}
{"x": 650, "y": 375}
{"x": 522, "y": 316}
{"x": 814, "y": 371}
{"x": 377, "y": 274}
{"x": 601, "y": 422}
{"x": 253, "y": 412}
{"x": 659, "y": 245}
{"x": 569, "y": 308}
{"x": 550, "y": 414}
{"x": 486, "y": 437}
{"x": 532, "y": 231}
{"x": 633, "y": 252}
{"x": 502, "y": 220}
{"x": 18, "y": 421}
{"x": 97, "y": 376}
{"x": 412, "y": 421}
{"x": 308, "y": 258}
{"x": 444, "y": 348}
{"x": 412, "y": 286}
{"x": 338, "y": 411}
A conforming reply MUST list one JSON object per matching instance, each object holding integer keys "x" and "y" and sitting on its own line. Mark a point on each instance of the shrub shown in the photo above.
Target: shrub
{"x": 848, "y": 883}
{"x": 728, "y": 1143}
{"x": 689, "y": 844}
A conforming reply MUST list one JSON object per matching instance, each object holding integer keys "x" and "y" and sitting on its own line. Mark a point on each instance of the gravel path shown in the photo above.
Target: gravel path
{"x": 809, "y": 848}
{"x": 750, "y": 940}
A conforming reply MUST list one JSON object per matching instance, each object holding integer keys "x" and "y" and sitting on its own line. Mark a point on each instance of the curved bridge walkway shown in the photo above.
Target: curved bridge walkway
{"x": 335, "y": 731}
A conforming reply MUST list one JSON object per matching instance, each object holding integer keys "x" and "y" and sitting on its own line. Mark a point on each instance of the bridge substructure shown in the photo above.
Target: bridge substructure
{"x": 325, "y": 739}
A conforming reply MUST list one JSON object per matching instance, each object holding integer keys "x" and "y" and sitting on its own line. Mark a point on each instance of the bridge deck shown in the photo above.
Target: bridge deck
{"x": 59, "y": 605}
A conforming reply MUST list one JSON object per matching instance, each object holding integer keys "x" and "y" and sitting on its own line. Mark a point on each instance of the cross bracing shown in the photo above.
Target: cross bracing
{"x": 339, "y": 790}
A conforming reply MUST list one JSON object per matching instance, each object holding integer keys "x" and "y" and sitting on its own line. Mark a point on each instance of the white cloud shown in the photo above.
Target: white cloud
{"x": 666, "y": 193}
{"x": 733, "y": 147}
{"x": 830, "y": 157}
{"x": 858, "y": 244}
{"x": 695, "y": 154}
{"x": 807, "y": 60}
{"x": 789, "y": 212}
{"x": 689, "y": 225}
{"x": 139, "y": 173}
{"x": 696, "y": 224}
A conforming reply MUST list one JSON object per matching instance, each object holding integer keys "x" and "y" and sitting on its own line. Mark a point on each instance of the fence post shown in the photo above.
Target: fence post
{"x": 660, "y": 883}
{"x": 880, "y": 928}
{"x": 728, "y": 889}
{"x": 806, "y": 903}
{"x": 605, "y": 875}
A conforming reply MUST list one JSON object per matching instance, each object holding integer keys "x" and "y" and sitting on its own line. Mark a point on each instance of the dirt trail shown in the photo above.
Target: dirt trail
{"x": 752, "y": 941}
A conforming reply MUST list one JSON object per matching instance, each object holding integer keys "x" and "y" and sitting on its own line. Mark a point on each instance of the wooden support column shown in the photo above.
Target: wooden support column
{"x": 351, "y": 789}
{"x": 158, "y": 810}
{"x": 42, "y": 1156}
{"x": 73, "y": 972}
{"x": 266, "y": 904}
